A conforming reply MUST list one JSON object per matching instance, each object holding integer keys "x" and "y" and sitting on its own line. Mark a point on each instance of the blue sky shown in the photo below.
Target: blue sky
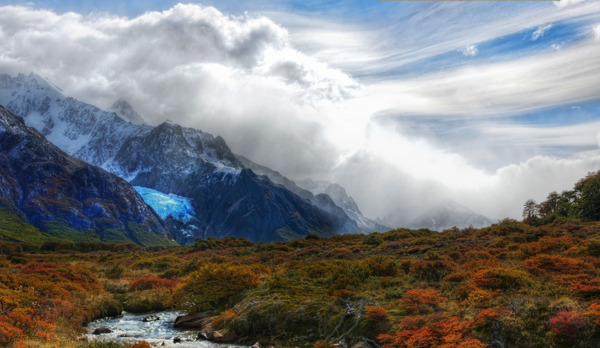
{"x": 437, "y": 99}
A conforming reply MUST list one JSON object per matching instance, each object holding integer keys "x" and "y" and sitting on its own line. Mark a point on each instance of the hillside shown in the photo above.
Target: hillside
{"x": 64, "y": 198}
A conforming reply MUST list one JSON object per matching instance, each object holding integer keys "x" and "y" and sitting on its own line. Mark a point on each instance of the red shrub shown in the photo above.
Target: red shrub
{"x": 568, "y": 324}
{"x": 147, "y": 283}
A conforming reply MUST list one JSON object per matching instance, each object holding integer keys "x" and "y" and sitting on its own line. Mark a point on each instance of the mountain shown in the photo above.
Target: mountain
{"x": 227, "y": 198}
{"x": 64, "y": 197}
{"x": 125, "y": 111}
{"x": 332, "y": 198}
{"x": 448, "y": 214}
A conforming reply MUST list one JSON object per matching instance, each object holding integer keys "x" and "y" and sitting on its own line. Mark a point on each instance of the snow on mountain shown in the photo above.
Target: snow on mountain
{"x": 449, "y": 214}
{"x": 125, "y": 111}
{"x": 178, "y": 207}
{"x": 67, "y": 198}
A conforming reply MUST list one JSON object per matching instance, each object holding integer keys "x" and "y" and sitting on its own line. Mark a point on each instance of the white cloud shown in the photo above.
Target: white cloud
{"x": 545, "y": 80}
{"x": 540, "y": 31}
{"x": 575, "y": 135}
{"x": 565, "y": 3}
{"x": 469, "y": 51}
{"x": 242, "y": 78}
{"x": 597, "y": 31}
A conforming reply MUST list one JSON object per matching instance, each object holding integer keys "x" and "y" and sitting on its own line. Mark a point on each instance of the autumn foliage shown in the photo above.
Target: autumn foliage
{"x": 533, "y": 284}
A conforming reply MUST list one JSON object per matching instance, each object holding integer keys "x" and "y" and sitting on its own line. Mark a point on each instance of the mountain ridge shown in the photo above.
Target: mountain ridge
{"x": 173, "y": 160}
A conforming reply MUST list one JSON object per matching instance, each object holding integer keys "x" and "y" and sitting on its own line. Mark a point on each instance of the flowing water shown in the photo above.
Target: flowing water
{"x": 131, "y": 328}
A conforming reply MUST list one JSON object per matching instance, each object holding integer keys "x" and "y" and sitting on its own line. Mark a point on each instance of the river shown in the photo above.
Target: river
{"x": 131, "y": 328}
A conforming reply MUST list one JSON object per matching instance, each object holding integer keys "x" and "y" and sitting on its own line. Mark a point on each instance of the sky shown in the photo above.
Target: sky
{"x": 404, "y": 103}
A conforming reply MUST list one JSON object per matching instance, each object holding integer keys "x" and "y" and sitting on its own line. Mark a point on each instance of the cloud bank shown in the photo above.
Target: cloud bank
{"x": 275, "y": 98}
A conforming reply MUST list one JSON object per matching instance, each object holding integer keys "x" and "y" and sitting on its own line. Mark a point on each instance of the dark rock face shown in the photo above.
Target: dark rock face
{"x": 60, "y": 194}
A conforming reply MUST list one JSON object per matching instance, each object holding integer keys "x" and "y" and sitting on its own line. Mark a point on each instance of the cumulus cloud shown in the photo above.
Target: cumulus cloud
{"x": 236, "y": 76}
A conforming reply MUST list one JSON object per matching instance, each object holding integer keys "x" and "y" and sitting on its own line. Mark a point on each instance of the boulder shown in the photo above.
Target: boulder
{"x": 224, "y": 336}
{"x": 102, "y": 330}
{"x": 190, "y": 321}
{"x": 361, "y": 345}
{"x": 207, "y": 333}
{"x": 151, "y": 317}
{"x": 177, "y": 340}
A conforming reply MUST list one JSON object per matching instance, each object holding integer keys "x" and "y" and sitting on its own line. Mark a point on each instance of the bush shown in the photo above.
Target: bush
{"x": 147, "y": 283}
{"x": 376, "y": 314}
{"x": 500, "y": 278}
{"x": 212, "y": 284}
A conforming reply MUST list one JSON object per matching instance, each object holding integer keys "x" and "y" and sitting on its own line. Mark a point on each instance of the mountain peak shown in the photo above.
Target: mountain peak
{"x": 125, "y": 111}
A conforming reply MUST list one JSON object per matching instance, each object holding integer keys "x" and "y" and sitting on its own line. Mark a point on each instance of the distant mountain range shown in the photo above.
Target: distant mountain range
{"x": 65, "y": 198}
{"x": 448, "y": 214}
{"x": 227, "y": 196}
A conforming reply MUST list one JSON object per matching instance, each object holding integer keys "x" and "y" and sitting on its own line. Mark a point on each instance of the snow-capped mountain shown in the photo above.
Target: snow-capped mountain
{"x": 228, "y": 199}
{"x": 68, "y": 198}
{"x": 125, "y": 111}
{"x": 449, "y": 214}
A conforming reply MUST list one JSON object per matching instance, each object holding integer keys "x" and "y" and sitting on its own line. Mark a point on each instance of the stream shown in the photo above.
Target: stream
{"x": 130, "y": 328}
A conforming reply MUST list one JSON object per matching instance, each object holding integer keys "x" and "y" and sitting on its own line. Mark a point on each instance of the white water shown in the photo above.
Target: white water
{"x": 130, "y": 328}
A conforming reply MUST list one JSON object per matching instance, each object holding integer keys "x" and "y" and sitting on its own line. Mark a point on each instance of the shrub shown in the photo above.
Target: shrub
{"x": 568, "y": 324}
{"x": 500, "y": 278}
{"x": 421, "y": 300}
{"x": 212, "y": 284}
{"x": 376, "y": 314}
{"x": 147, "y": 283}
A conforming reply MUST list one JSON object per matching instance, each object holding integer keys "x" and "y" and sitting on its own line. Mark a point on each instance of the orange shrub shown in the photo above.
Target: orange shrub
{"x": 500, "y": 278}
{"x": 594, "y": 313}
{"x": 488, "y": 315}
{"x": 432, "y": 332}
{"x": 542, "y": 264}
{"x": 421, "y": 300}
{"x": 376, "y": 314}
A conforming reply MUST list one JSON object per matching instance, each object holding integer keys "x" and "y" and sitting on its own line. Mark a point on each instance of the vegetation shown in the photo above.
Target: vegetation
{"x": 517, "y": 284}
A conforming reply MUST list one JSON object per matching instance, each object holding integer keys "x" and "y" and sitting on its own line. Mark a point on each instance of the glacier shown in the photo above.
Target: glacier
{"x": 178, "y": 207}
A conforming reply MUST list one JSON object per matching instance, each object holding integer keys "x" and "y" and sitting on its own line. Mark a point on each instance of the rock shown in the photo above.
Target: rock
{"x": 190, "y": 321}
{"x": 101, "y": 330}
{"x": 224, "y": 336}
{"x": 177, "y": 340}
{"x": 82, "y": 338}
{"x": 207, "y": 333}
{"x": 151, "y": 317}
{"x": 361, "y": 345}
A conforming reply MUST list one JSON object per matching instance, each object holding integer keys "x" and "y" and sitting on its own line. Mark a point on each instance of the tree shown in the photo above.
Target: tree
{"x": 530, "y": 212}
{"x": 587, "y": 191}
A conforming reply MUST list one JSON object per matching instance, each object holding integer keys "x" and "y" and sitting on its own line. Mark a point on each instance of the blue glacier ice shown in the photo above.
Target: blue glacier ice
{"x": 165, "y": 205}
